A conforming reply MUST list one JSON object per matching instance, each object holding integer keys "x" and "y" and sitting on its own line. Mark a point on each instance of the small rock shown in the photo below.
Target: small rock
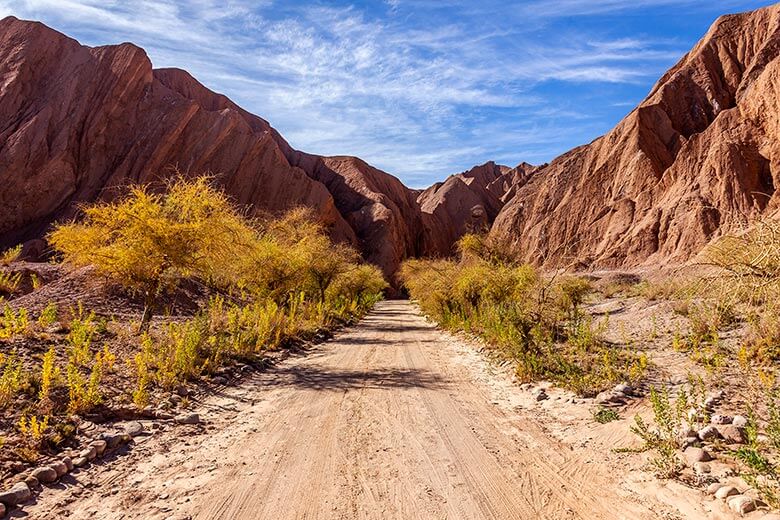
{"x": 726, "y": 491}
{"x": 611, "y": 307}
{"x": 163, "y": 416}
{"x": 708, "y": 433}
{"x": 624, "y": 389}
{"x": 68, "y": 463}
{"x": 174, "y": 399}
{"x": 610, "y": 397}
{"x": 189, "y": 418}
{"x": 32, "y": 482}
{"x": 713, "y": 488}
{"x": 721, "y": 419}
{"x": 733, "y": 434}
{"x": 742, "y": 504}
{"x": 541, "y": 395}
{"x": 739, "y": 421}
{"x": 2, "y": 510}
{"x": 88, "y": 453}
{"x": 183, "y": 391}
{"x": 45, "y": 474}
{"x": 112, "y": 440}
{"x": 59, "y": 467}
{"x": 80, "y": 462}
{"x": 100, "y": 446}
{"x": 702, "y": 468}
{"x": 219, "y": 380}
{"x": 694, "y": 455}
{"x": 134, "y": 428}
{"x": 18, "y": 494}
{"x": 690, "y": 441}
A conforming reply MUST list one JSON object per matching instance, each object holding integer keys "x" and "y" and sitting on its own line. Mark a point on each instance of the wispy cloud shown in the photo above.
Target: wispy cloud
{"x": 420, "y": 89}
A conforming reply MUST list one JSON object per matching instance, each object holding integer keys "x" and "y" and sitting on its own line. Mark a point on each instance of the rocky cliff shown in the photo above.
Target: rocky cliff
{"x": 697, "y": 158}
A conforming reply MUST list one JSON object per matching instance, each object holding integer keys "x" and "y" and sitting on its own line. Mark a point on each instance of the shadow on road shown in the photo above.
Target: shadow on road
{"x": 317, "y": 377}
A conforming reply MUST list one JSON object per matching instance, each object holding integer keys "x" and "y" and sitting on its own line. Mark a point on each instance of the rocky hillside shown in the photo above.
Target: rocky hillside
{"x": 79, "y": 123}
{"x": 699, "y": 157}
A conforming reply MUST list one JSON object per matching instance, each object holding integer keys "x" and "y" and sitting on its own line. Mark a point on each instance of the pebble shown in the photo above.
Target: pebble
{"x": 183, "y": 391}
{"x": 2, "y": 510}
{"x": 713, "y": 488}
{"x": 189, "y": 418}
{"x": 733, "y": 434}
{"x": 541, "y": 395}
{"x": 702, "y": 468}
{"x": 726, "y": 491}
{"x": 739, "y": 421}
{"x": 721, "y": 419}
{"x": 610, "y": 397}
{"x": 45, "y": 474}
{"x": 134, "y": 428}
{"x": 18, "y": 494}
{"x": 32, "y": 482}
{"x": 694, "y": 455}
{"x": 742, "y": 504}
{"x": 100, "y": 446}
{"x": 690, "y": 441}
{"x": 59, "y": 467}
{"x": 219, "y": 380}
{"x": 68, "y": 463}
{"x": 708, "y": 433}
{"x": 80, "y": 462}
{"x": 90, "y": 453}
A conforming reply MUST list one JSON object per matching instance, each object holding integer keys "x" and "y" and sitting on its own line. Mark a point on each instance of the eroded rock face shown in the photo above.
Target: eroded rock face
{"x": 78, "y": 124}
{"x": 697, "y": 158}
{"x": 466, "y": 202}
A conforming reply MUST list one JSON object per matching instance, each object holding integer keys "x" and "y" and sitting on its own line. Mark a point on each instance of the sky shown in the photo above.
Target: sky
{"x": 419, "y": 88}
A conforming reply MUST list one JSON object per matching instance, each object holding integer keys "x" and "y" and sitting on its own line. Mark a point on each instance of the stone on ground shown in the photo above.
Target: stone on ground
{"x": 45, "y": 474}
{"x": 733, "y": 434}
{"x": 726, "y": 491}
{"x": 18, "y": 494}
{"x": 134, "y": 428}
{"x": 694, "y": 455}
{"x": 742, "y": 504}
{"x": 708, "y": 433}
{"x": 60, "y": 468}
{"x": 739, "y": 421}
{"x": 188, "y": 418}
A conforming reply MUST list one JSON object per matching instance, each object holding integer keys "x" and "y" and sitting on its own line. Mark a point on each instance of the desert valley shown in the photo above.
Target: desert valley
{"x": 198, "y": 320}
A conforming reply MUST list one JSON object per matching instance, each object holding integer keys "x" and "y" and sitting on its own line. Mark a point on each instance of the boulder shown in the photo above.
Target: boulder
{"x": 45, "y": 474}
{"x": 732, "y": 434}
{"x": 694, "y": 455}
{"x": 726, "y": 491}
{"x": 742, "y": 504}
{"x": 18, "y": 494}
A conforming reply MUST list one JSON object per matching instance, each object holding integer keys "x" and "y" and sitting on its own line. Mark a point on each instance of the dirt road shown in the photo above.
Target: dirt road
{"x": 391, "y": 419}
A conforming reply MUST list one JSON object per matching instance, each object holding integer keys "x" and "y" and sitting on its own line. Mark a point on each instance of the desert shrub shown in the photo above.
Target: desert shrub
{"x": 664, "y": 437}
{"x": 13, "y": 322}
{"x": 48, "y": 316}
{"x": 49, "y": 375}
{"x": 11, "y": 255}
{"x": 84, "y": 392}
{"x": 83, "y": 328}
{"x": 9, "y": 283}
{"x": 33, "y": 431}
{"x": 605, "y": 415}
{"x": 10, "y": 377}
{"x": 533, "y": 320}
{"x": 147, "y": 242}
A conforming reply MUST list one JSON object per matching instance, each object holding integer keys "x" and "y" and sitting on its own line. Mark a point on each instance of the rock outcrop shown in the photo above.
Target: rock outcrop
{"x": 699, "y": 157}
{"x": 466, "y": 202}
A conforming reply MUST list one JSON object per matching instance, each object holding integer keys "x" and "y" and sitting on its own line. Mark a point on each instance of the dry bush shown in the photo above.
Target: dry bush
{"x": 531, "y": 319}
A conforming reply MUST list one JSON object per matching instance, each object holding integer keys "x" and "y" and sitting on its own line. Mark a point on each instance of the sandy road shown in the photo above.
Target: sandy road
{"x": 387, "y": 420}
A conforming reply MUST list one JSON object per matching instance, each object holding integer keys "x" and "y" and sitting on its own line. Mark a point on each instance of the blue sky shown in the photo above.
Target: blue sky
{"x": 419, "y": 88}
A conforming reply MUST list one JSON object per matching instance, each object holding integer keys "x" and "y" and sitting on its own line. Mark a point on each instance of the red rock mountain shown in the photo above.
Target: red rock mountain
{"x": 699, "y": 157}
{"x": 78, "y": 124}
{"x": 466, "y": 202}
